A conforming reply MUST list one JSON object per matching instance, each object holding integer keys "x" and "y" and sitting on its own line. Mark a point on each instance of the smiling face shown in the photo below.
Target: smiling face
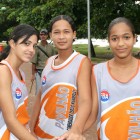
{"x": 26, "y": 50}
{"x": 121, "y": 40}
{"x": 62, "y": 35}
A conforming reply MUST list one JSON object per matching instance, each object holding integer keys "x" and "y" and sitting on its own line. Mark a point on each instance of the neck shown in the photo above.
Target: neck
{"x": 123, "y": 62}
{"x": 44, "y": 42}
{"x": 63, "y": 56}
{"x": 65, "y": 53}
{"x": 15, "y": 63}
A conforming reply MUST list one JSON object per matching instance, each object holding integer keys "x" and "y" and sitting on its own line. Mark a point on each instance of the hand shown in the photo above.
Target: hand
{"x": 71, "y": 136}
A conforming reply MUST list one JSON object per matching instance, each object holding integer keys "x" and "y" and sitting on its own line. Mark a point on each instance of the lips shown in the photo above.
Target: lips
{"x": 61, "y": 43}
{"x": 29, "y": 55}
{"x": 122, "y": 50}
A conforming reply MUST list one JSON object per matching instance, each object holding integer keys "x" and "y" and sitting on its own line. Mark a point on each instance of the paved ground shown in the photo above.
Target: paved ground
{"x": 90, "y": 134}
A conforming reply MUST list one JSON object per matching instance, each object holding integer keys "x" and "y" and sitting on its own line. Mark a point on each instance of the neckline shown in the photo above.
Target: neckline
{"x": 6, "y": 62}
{"x": 67, "y": 61}
{"x": 109, "y": 70}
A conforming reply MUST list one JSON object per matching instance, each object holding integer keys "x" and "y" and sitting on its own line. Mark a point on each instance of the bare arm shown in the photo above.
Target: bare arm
{"x": 35, "y": 112}
{"x": 94, "y": 111}
{"x": 33, "y": 72}
{"x": 7, "y": 106}
{"x": 84, "y": 106}
{"x": 84, "y": 91}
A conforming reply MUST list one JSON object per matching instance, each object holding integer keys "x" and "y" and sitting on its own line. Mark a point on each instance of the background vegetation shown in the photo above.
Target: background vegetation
{"x": 38, "y": 13}
{"x": 102, "y": 53}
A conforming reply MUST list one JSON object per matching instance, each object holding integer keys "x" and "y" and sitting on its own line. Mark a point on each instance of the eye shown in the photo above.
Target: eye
{"x": 27, "y": 43}
{"x": 114, "y": 38}
{"x": 126, "y": 37}
{"x": 67, "y": 31}
{"x": 34, "y": 46}
{"x": 56, "y": 32}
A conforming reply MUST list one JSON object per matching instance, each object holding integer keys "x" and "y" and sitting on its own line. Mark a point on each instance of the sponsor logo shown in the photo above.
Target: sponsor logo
{"x": 18, "y": 93}
{"x": 105, "y": 96}
{"x": 44, "y": 80}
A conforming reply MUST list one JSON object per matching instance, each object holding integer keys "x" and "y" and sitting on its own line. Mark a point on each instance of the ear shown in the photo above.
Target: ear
{"x": 74, "y": 34}
{"x": 135, "y": 38}
{"x": 12, "y": 43}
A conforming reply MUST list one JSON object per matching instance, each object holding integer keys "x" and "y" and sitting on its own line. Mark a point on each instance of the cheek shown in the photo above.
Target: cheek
{"x": 112, "y": 44}
{"x": 54, "y": 38}
{"x": 34, "y": 52}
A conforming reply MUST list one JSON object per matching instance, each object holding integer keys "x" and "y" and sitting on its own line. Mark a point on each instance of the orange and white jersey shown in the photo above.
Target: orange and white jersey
{"x": 59, "y": 100}
{"x": 119, "y": 105}
{"x": 20, "y": 98}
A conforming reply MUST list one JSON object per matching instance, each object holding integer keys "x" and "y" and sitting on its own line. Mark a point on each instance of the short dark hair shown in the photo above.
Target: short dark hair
{"x": 63, "y": 17}
{"x": 121, "y": 20}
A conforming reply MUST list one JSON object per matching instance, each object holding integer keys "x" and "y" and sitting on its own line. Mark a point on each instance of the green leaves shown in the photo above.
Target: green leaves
{"x": 38, "y": 13}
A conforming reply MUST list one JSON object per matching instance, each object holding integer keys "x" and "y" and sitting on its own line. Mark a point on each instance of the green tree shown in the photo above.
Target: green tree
{"x": 38, "y": 13}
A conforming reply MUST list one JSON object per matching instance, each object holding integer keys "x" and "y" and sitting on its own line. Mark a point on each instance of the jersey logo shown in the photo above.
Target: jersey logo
{"x": 18, "y": 93}
{"x": 44, "y": 80}
{"x": 105, "y": 96}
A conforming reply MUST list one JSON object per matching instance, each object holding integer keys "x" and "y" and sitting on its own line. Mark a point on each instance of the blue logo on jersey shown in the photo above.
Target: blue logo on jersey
{"x": 105, "y": 96}
{"x": 44, "y": 80}
{"x": 18, "y": 93}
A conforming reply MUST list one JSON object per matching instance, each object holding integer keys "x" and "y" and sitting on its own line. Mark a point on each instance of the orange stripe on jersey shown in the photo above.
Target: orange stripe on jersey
{"x": 6, "y": 135}
{"x": 41, "y": 133}
{"x": 64, "y": 65}
{"x": 138, "y": 67}
{"x": 80, "y": 66}
{"x": 26, "y": 102}
{"x": 22, "y": 113}
{"x": 113, "y": 124}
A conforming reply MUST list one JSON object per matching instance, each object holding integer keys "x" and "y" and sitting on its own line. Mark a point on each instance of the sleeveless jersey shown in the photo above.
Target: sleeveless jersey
{"x": 119, "y": 105}
{"x": 59, "y": 101}
{"x": 20, "y": 98}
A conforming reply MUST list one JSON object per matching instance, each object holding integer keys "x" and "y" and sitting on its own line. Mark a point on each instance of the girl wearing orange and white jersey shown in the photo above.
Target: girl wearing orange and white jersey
{"x": 116, "y": 97}
{"x": 13, "y": 91}
{"x": 65, "y": 97}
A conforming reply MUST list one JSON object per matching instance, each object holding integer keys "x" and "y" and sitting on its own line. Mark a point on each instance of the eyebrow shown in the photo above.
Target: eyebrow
{"x": 119, "y": 35}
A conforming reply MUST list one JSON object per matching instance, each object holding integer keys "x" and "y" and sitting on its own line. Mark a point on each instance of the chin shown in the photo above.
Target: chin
{"x": 123, "y": 56}
{"x": 26, "y": 60}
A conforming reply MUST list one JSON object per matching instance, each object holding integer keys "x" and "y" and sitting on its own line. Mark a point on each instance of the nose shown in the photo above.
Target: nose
{"x": 62, "y": 36}
{"x": 121, "y": 42}
{"x": 32, "y": 48}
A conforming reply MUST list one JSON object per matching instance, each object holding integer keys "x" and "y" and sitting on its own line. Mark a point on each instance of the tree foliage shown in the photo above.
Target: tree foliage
{"x": 39, "y": 13}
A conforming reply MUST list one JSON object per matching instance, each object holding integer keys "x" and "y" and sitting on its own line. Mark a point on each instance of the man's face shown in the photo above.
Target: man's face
{"x": 43, "y": 36}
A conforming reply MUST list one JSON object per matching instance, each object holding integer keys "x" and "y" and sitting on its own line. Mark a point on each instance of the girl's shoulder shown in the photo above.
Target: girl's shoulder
{"x": 5, "y": 73}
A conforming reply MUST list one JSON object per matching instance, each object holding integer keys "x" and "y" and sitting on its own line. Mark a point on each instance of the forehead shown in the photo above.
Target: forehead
{"x": 61, "y": 24}
{"x": 120, "y": 28}
{"x": 32, "y": 38}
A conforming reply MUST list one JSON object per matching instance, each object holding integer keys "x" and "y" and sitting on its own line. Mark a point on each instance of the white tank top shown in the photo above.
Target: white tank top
{"x": 119, "y": 105}
{"x": 59, "y": 100}
{"x": 20, "y": 98}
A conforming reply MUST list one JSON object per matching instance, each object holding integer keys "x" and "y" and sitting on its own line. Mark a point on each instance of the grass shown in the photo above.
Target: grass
{"x": 102, "y": 53}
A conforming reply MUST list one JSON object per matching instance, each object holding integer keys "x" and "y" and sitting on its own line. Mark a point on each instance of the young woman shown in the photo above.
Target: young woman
{"x": 117, "y": 87}
{"x": 13, "y": 92}
{"x": 65, "y": 97}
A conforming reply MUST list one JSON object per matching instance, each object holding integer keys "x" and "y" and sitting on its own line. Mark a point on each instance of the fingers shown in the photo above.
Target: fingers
{"x": 76, "y": 137}
{"x": 63, "y": 137}
{"x": 71, "y": 136}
